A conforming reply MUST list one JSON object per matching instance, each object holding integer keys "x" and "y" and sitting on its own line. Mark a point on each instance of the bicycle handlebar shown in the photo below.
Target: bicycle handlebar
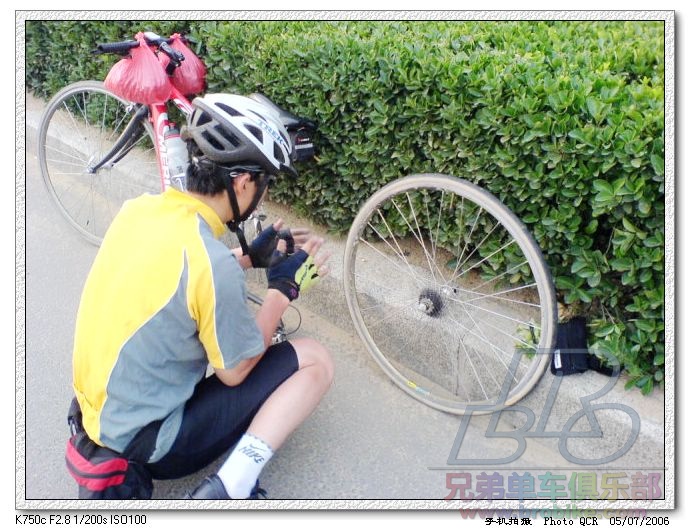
{"x": 164, "y": 45}
{"x": 123, "y": 47}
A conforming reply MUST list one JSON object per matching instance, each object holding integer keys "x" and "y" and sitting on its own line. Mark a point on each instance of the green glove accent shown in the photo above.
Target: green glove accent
{"x": 292, "y": 274}
{"x": 307, "y": 275}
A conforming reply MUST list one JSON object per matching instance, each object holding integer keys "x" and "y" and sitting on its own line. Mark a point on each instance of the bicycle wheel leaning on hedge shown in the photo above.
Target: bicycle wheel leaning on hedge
{"x": 450, "y": 293}
{"x": 80, "y": 125}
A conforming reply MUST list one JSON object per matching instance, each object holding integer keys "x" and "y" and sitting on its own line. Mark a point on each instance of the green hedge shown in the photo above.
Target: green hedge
{"x": 563, "y": 121}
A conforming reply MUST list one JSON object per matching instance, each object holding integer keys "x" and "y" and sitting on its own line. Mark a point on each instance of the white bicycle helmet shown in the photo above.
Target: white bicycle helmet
{"x": 229, "y": 128}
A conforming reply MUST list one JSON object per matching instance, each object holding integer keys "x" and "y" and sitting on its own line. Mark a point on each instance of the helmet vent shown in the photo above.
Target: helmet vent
{"x": 278, "y": 154}
{"x": 228, "y": 136}
{"x": 261, "y": 116}
{"x": 229, "y": 109}
{"x": 256, "y": 132}
{"x": 212, "y": 140}
{"x": 203, "y": 119}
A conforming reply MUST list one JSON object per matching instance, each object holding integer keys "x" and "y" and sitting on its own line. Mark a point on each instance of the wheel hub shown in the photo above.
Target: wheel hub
{"x": 430, "y": 302}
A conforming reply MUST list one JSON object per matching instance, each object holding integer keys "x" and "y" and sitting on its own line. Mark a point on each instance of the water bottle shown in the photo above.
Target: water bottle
{"x": 178, "y": 159}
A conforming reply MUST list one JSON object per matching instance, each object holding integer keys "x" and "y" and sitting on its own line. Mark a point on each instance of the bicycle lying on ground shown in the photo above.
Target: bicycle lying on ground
{"x": 445, "y": 285}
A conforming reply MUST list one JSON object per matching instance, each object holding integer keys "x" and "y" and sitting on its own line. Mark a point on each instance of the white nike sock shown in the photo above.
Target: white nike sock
{"x": 242, "y": 468}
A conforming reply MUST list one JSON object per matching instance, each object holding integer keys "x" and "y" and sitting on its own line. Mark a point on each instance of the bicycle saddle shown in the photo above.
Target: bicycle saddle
{"x": 290, "y": 120}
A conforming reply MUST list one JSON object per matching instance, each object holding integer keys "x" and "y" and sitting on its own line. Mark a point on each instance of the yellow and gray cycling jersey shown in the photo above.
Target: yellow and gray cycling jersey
{"x": 164, "y": 299}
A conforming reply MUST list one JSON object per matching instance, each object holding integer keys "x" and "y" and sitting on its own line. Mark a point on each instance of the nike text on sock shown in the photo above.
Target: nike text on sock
{"x": 241, "y": 470}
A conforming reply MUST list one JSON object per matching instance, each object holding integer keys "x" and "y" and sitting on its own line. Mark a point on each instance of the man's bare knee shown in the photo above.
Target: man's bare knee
{"x": 311, "y": 353}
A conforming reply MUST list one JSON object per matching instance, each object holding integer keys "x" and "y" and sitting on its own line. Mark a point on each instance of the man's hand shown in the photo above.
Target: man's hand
{"x": 265, "y": 244}
{"x": 297, "y": 273}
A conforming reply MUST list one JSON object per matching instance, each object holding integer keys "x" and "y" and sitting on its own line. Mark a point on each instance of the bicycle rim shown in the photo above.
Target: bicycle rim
{"x": 450, "y": 294}
{"x": 79, "y": 126}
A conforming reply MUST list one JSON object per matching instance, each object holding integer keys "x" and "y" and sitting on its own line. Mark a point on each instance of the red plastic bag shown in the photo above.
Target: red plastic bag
{"x": 190, "y": 76}
{"x": 139, "y": 78}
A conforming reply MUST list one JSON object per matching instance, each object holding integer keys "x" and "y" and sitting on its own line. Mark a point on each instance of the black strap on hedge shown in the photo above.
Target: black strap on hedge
{"x": 571, "y": 355}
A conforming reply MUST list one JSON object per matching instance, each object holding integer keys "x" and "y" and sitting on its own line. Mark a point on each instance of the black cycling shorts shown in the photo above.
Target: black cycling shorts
{"x": 217, "y": 415}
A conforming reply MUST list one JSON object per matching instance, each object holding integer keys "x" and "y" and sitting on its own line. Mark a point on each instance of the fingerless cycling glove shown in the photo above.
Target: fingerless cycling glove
{"x": 264, "y": 245}
{"x": 292, "y": 274}
{"x": 262, "y": 248}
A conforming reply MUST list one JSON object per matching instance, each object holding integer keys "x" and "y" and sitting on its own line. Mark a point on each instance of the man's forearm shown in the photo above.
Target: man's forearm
{"x": 267, "y": 320}
{"x": 271, "y": 311}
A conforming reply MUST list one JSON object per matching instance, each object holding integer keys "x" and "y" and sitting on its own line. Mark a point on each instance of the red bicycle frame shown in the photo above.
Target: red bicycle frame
{"x": 158, "y": 115}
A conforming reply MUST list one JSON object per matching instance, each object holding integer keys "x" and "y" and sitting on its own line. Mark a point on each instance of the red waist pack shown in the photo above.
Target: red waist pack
{"x": 102, "y": 473}
{"x": 139, "y": 78}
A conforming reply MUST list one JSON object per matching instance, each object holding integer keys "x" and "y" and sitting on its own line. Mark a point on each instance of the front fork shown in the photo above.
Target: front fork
{"x": 127, "y": 140}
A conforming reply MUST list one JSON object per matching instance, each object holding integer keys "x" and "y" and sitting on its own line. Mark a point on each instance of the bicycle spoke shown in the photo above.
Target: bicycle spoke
{"x": 399, "y": 252}
{"x": 431, "y": 238}
{"x": 65, "y": 163}
{"x": 391, "y": 315}
{"x": 102, "y": 126}
{"x": 389, "y": 259}
{"x": 484, "y": 338}
{"x": 399, "y": 302}
{"x": 468, "y": 358}
{"x": 477, "y": 247}
{"x": 477, "y": 377}
{"x": 491, "y": 345}
{"x": 71, "y": 173}
{"x": 83, "y": 110}
{"x": 80, "y": 203}
{"x": 512, "y": 337}
{"x": 438, "y": 219}
{"x": 431, "y": 262}
{"x": 467, "y": 240}
{"x": 491, "y": 312}
{"x": 497, "y": 297}
{"x": 505, "y": 333}
{"x": 57, "y": 151}
{"x": 92, "y": 202}
{"x": 75, "y": 126}
{"x": 407, "y": 222}
{"x": 498, "y": 277}
{"x": 487, "y": 257}
{"x": 115, "y": 130}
